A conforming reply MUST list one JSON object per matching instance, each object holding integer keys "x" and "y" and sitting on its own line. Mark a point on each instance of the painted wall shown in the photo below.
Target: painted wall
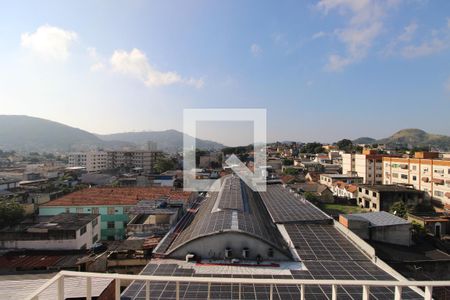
{"x": 120, "y": 217}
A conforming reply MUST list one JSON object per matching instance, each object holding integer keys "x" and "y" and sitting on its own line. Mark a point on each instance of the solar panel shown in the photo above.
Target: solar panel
{"x": 322, "y": 242}
{"x": 284, "y": 207}
{"x": 315, "y": 270}
{"x": 251, "y": 217}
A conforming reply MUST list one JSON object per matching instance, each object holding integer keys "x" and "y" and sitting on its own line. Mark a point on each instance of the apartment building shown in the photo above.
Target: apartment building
{"x": 380, "y": 197}
{"x": 368, "y": 165}
{"x": 330, "y": 179}
{"x": 135, "y": 159}
{"x": 93, "y": 160}
{"x": 425, "y": 172}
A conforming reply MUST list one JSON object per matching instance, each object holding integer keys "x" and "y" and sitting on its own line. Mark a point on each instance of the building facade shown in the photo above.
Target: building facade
{"x": 137, "y": 159}
{"x": 368, "y": 165}
{"x": 380, "y": 197}
{"x": 425, "y": 172}
{"x": 93, "y": 161}
{"x": 329, "y": 179}
{"x": 65, "y": 231}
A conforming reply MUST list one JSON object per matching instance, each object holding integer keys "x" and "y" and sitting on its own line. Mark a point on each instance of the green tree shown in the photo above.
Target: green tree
{"x": 312, "y": 148}
{"x": 345, "y": 145}
{"x": 164, "y": 164}
{"x": 291, "y": 171}
{"x": 11, "y": 212}
{"x": 399, "y": 209}
{"x": 311, "y": 197}
{"x": 287, "y": 162}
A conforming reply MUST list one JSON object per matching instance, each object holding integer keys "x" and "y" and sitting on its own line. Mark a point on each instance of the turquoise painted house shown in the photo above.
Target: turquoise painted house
{"x": 113, "y": 205}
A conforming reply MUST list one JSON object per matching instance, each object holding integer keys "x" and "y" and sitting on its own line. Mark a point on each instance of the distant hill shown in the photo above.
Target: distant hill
{"x": 411, "y": 138}
{"x": 167, "y": 140}
{"x": 24, "y": 133}
{"x": 364, "y": 140}
{"x": 417, "y": 138}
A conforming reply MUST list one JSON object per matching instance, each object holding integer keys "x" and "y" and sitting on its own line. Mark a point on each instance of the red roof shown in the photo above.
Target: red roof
{"x": 29, "y": 261}
{"x": 118, "y": 196}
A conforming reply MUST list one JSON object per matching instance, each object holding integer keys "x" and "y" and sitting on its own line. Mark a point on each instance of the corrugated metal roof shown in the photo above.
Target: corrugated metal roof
{"x": 380, "y": 218}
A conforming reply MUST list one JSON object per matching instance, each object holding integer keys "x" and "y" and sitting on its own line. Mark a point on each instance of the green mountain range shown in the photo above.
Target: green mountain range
{"x": 24, "y": 133}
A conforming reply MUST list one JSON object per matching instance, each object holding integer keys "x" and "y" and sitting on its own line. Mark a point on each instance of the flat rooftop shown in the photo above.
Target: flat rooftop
{"x": 99, "y": 196}
{"x": 378, "y": 219}
{"x": 389, "y": 188}
{"x": 338, "y": 176}
{"x": 66, "y": 221}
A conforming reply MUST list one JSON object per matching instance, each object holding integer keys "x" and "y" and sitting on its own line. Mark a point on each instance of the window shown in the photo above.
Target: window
{"x": 374, "y": 205}
{"x": 83, "y": 230}
{"x": 404, "y": 176}
{"x": 414, "y": 168}
{"x": 438, "y": 193}
{"x": 110, "y": 225}
{"x": 374, "y": 194}
{"x": 394, "y": 175}
{"x": 95, "y": 210}
{"x": 94, "y": 223}
{"x": 126, "y": 210}
{"x": 367, "y": 192}
{"x": 67, "y": 210}
{"x": 414, "y": 178}
{"x": 360, "y": 190}
{"x": 111, "y": 210}
{"x": 79, "y": 210}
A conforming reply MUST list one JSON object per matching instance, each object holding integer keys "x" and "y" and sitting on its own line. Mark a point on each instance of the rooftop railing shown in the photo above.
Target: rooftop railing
{"x": 365, "y": 285}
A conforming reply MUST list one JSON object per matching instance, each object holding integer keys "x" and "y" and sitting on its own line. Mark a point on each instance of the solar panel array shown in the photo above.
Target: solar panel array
{"x": 231, "y": 195}
{"x": 322, "y": 242}
{"x": 284, "y": 207}
{"x": 352, "y": 270}
{"x": 252, "y": 220}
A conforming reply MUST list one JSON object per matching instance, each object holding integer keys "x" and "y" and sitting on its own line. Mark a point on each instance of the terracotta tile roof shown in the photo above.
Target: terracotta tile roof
{"x": 287, "y": 178}
{"x": 118, "y": 196}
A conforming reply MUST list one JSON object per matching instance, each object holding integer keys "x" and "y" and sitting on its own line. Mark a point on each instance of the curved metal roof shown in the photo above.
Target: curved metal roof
{"x": 233, "y": 209}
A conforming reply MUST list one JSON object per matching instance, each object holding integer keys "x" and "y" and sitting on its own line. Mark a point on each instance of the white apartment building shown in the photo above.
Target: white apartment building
{"x": 425, "y": 172}
{"x": 93, "y": 160}
{"x": 368, "y": 165}
{"x": 141, "y": 159}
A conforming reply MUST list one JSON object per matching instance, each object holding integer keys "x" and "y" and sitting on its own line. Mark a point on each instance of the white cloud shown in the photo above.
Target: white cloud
{"x": 447, "y": 85}
{"x": 364, "y": 26}
{"x": 49, "y": 42}
{"x": 318, "y": 35}
{"x": 97, "y": 67}
{"x": 256, "y": 50}
{"x": 408, "y": 32}
{"x": 404, "y": 45}
{"x": 425, "y": 48}
{"x": 98, "y": 61}
{"x": 439, "y": 41}
{"x": 135, "y": 64}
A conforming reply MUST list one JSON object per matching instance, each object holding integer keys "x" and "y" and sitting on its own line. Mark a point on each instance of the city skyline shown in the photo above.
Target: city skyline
{"x": 324, "y": 70}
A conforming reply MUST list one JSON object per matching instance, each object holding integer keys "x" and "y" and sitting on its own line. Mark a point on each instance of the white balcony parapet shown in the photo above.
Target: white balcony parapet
{"x": 364, "y": 284}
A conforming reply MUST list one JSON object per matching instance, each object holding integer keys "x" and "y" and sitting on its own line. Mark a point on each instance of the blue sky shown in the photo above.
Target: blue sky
{"x": 324, "y": 70}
